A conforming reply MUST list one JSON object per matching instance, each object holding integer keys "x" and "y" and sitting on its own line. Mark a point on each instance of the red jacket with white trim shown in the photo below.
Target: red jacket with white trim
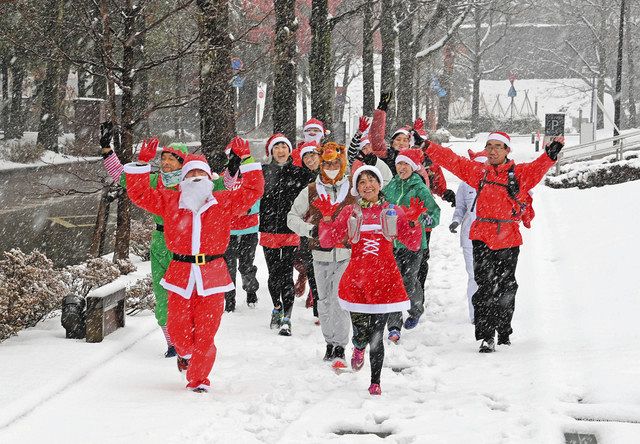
{"x": 493, "y": 203}
{"x": 188, "y": 233}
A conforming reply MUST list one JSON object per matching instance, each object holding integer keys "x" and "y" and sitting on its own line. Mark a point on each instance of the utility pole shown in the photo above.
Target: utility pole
{"x": 617, "y": 97}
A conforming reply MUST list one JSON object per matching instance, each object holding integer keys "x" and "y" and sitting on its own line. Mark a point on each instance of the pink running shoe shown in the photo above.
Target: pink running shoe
{"x": 357, "y": 359}
{"x": 374, "y": 389}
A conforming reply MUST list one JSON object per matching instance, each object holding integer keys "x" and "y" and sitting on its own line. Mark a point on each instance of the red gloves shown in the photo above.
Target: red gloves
{"x": 414, "y": 210}
{"x": 363, "y": 124}
{"x": 240, "y": 147}
{"x": 323, "y": 203}
{"x": 148, "y": 150}
{"x": 418, "y": 125}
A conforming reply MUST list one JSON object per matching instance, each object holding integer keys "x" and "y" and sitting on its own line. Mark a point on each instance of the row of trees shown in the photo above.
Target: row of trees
{"x": 170, "y": 61}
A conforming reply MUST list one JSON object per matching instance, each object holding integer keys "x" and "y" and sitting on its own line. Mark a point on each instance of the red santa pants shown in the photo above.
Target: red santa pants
{"x": 192, "y": 325}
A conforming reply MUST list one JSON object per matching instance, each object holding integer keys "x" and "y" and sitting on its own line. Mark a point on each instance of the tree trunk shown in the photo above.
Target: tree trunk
{"x": 407, "y": 63}
{"x": 476, "y": 75}
{"x": 15, "y": 124}
{"x": 388, "y": 69}
{"x": 445, "y": 82}
{"x": 177, "y": 113}
{"x": 633, "y": 115}
{"x": 368, "y": 92}
{"x": 4, "y": 71}
{"x": 217, "y": 125}
{"x": 284, "y": 70}
{"x": 140, "y": 96}
{"x": 340, "y": 105}
{"x": 617, "y": 98}
{"x": 50, "y": 108}
{"x": 320, "y": 64}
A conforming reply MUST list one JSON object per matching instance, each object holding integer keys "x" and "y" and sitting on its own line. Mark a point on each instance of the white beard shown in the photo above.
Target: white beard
{"x": 194, "y": 192}
{"x": 313, "y": 137}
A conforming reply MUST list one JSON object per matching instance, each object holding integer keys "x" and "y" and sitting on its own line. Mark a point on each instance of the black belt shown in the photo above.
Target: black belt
{"x": 160, "y": 228}
{"x": 199, "y": 259}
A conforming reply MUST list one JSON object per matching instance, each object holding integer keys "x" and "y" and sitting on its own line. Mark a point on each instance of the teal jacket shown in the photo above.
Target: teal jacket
{"x": 400, "y": 192}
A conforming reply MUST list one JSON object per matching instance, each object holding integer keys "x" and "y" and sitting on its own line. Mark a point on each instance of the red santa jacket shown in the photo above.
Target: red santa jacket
{"x": 372, "y": 282}
{"x": 188, "y": 233}
{"x": 498, "y": 214}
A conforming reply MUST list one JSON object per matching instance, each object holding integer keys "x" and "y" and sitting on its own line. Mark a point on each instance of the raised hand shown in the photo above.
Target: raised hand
{"x": 415, "y": 209}
{"x": 240, "y": 147}
{"x": 449, "y": 196}
{"x": 106, "y": 134}
{"x": 323, "y": 203}
{"x": 385, "y": 99}
{"x": 148, "y": 150}
{"x": 418, "y": 125}
{"x": 363, "y": 124}
{"x": 553, "y": 148}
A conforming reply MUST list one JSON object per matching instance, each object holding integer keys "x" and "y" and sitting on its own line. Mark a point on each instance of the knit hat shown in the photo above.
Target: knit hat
{"x": 196, "y": 162}
{"x": 480, "y": 156}
{"x": 274, "y": 140}
{"x": 314, "y": 123}
{"x": 500, "y": 137}
{"x": 308, "y": 147}
{"x": 179, "y": 150}
{"x": 413, "y": 157}
{"x": 356, "y": 175}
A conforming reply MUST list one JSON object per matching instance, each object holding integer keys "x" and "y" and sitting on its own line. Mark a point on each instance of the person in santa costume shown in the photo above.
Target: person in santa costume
{"x": 328, "y": 263}
{"x": 371, "y": 286}
{"x": 407, "y": 185}
{"x": 241, "y": 252}
{"x": 312, "y": 131}
{"x": 171, "y": 160}
{"x": 197, "y": 230}
{"x": 361, "y": 153}
{"x": 502, "y": 188}
{"x": 283, "y": 182}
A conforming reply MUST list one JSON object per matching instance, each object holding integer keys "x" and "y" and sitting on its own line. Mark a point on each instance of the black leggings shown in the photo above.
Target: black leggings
{"x": 304, "y": 262}
{"x": 239, "y": 256}
{"x": 369, "y": 329}
{"x": 424, "y": 266}
{"x": 280, "y": 282}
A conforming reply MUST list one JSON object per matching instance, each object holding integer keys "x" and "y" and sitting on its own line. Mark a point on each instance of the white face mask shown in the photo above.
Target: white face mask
{"x": 194, "y": 192}
{"x": 317, "y": 137}
{"x": 331, "y": 174}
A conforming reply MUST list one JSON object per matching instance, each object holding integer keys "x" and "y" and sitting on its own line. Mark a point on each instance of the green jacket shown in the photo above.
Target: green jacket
{"x": 400, "y": 192}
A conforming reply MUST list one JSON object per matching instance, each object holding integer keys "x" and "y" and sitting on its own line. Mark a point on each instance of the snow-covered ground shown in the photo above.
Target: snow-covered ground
{"x": 575, "y": 354}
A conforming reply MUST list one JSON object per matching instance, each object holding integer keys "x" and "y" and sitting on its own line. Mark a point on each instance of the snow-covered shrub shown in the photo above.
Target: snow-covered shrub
{"x": 21, "y": 151}
{"x": 141, "y": 238}
{"x": 140, "y": 296}
{"x": 30, "y": 289}
{"x": 125, "y": 266}
{"x": 92, "y": 274}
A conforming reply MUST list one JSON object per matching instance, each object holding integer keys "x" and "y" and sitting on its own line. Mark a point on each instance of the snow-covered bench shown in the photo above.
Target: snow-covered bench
{"x": 105, "y": 310}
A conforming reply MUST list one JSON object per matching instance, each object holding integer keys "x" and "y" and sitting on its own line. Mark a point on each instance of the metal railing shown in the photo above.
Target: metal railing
{"x": 599, "y": 148}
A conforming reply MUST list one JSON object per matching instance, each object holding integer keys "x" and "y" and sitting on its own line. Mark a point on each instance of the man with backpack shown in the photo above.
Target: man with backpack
{"x": 502, "y": 195}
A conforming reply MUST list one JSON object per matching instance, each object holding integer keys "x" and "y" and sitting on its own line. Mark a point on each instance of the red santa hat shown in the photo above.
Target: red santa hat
{"x": 308, "y": 147}
{"x": 480, "y": 156}
{"x": 314, "y": 123}
{"x": 413, "y": 157}
{"x": 500, "y": 137}
{"x": 364, "y": 142}
{"x": 276, "y": 139}
{"x": 196, "y": 162}
{"x": 404, "y": 130}
{"x": 356, "y": 175}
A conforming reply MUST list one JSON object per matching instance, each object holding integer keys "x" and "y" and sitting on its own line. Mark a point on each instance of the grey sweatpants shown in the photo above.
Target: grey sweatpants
{"x": 334, "y": 321}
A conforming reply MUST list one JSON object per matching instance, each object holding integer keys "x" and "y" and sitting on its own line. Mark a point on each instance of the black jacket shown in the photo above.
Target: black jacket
{"x": 282, "y": 184}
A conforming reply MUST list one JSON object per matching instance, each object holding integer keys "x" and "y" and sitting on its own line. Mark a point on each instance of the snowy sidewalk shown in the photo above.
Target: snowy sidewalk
{"x": 575, "y": 354}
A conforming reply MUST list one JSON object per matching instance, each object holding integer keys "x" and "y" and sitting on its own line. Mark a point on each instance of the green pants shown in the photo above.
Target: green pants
{"x": 160, "y": 259}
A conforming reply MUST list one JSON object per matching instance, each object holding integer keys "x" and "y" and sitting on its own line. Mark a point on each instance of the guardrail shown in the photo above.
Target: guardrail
{"x": 599, "y": 148}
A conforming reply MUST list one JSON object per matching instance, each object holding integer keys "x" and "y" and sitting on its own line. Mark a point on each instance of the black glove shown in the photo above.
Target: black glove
{"x": 419, "y": 140}
{"x": 106, "y": 134}
{"x": 385, "y": 99}
{"x": 234, "y": 163}
{"x": 450, "y": 197}
{"x": 427, "y": 162}
{"x": 553, "y": 149}
{"x": 313, "y": 234}
{"x": 368, "y": 159}
{"x": 453, "y": 226}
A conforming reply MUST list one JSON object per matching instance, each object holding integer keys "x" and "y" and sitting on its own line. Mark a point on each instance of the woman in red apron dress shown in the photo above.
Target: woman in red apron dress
{"x": 371, "y": 286}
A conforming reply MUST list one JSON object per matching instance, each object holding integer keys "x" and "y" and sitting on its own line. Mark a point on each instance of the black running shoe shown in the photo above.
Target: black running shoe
{"x": 171, "y": 352}
{"x": 183, "y": 364}
{"x": 503, "y": 340}
{"x": 487, "y": 346}
{"x": 328, "y": 356}
{"x": 252, "y": 300}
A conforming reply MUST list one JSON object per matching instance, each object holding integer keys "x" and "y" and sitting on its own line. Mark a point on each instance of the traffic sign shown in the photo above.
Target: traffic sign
{"x": 512, "y": 91}
{"x": 237, "y": 82}
{"x": 237, "y": 64}
{"x": 553, "y": 125}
